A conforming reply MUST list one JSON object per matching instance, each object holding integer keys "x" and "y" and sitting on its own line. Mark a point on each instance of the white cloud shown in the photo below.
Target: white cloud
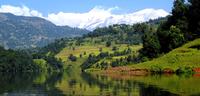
{"x": 100, "y": 17}
{"x": 21, "y": 11}
{"x": 96, "y": 17}
{"x": 80, "y": 19}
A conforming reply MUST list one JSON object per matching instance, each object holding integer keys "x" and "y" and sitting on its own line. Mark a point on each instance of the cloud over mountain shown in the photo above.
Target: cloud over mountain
{"x": 96, "y": 17}
{"x": 99, "y": 17}
{"x": 20, "y": 11}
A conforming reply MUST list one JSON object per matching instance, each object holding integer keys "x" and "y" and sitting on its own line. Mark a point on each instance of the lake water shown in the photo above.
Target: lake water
{"x": 73, "y": 83}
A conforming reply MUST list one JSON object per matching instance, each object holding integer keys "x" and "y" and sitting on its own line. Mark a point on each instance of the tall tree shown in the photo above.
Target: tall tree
{"x": 176, "y": 26}
{"x": 179, "y": 17}
{"x": 194, "y": 20}
{"x": 151, "y": 45}
{"x": 176, "y": 38}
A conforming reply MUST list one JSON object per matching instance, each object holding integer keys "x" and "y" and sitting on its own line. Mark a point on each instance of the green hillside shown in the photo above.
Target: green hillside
{"x": 19, "y": 32}
{"x": 187, "y": 56}
{"x": 105, "y": 45}
{"x": 83, "y": 52}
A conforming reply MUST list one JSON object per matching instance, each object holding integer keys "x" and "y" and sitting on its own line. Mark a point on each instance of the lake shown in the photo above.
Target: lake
{"x": 73, "y": 83}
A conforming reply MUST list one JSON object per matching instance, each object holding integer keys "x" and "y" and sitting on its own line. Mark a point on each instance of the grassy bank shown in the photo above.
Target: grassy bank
{"x": 184, "y": 58}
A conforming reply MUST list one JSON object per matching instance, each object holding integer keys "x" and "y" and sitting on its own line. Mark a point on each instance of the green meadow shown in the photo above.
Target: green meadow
{"x": 187, "y": 56}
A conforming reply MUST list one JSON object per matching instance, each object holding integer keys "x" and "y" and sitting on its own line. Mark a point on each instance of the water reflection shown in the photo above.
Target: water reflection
{"x": 73, "y": 82}
{"x": 14, "y": 82}
{"x": 119, "y": 87}
{"x": 23, "y": 84}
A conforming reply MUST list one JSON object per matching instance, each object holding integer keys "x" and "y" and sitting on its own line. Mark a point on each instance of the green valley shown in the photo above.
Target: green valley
{"x": 150, "y": 52}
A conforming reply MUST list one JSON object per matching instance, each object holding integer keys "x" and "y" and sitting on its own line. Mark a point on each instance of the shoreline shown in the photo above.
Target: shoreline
{"x": 143, "y": 72}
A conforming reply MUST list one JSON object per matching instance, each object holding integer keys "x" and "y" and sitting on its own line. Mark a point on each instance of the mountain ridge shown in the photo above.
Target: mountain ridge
{"x": 99, "y": 17}
{"x": 27, "y": 32}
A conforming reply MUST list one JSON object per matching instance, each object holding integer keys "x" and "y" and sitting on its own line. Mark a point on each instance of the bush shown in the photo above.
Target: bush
{"x": 114, "y": 48}
{"x": 187, "y": 70}
{"x": 72, "y": 57}
{"x": 108, "y": 44}
{"x": 80, "y": 55}
{"x": 103, "y": 54}
{"x": 84, "y": 53}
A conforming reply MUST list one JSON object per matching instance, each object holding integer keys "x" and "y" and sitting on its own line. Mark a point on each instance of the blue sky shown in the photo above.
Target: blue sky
{"x": 89, "y": 14}
{"x": 80, "y": 6}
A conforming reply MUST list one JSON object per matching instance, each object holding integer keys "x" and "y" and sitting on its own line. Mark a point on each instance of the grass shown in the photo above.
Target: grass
{"x": 182, "y": 57}
{"x": 90, "y": 49}
{"x": 80, "y": 50}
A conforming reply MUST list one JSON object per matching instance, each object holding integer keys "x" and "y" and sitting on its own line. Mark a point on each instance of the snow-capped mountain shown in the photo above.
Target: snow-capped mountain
{"x": 98, "y": 17}
{"x": 140, "y": 16}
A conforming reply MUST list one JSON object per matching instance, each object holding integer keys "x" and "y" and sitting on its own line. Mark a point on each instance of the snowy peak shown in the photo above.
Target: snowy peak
{"x": 102, "y": 18}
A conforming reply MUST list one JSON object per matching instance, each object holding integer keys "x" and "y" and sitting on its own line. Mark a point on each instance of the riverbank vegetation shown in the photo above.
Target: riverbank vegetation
{"x": 182, "y": 59}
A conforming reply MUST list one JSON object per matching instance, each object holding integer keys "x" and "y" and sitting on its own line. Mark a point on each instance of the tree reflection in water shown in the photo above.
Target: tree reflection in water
{"x": 23, "y": 84}
{"x": 74, "y": 82}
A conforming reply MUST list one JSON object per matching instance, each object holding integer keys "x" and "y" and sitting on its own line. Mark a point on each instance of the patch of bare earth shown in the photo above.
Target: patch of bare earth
{"x": 127, "y": 71}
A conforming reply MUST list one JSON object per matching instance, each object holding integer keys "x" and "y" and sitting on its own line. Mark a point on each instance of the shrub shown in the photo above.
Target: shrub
{"x": 108, "y": 43}
{"x": 72, "y": 57}
{"x": 114, "y": 48}
{"x": 187, "y": 70}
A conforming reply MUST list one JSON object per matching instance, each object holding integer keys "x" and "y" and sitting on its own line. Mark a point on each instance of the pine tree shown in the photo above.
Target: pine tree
{"x": 151, "y": 45}
{"x": 176, "y": 26}
{"x": 194, "y": 20}
{"x": 179, "y": 17}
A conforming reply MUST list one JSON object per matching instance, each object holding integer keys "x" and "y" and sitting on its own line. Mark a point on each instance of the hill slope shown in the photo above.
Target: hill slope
{"x": 112, "y": 46}
{"x": 183, "y": 57}
{"x": 105, "y": 44}
{"x": 26, "y": 32}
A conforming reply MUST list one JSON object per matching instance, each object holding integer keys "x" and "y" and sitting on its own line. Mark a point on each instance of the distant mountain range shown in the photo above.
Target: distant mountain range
{"x": 27, "y": 32}
{"x": 140, "y": 16}
{"x": 98, "y": 17}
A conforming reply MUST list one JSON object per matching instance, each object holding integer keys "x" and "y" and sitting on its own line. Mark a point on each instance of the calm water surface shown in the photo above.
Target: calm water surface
{"x": 73, "y": 83}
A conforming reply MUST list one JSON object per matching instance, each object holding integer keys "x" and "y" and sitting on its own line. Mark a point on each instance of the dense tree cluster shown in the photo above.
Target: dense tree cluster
{"x": 52, "y": 62}
{"x": 124, "y": 61}
{"x": 193, "y": 18}
{"x": 55, "y": 47}
{"x": 121, "y": 53}
{"x": 151, "y": 44}
{"x": 183, "y": 25}
{"x": 94, "y": 60}
{"x": 23, "y": 60}
{"x": 16, "y": 61}
{"x": 119, "y": 34}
